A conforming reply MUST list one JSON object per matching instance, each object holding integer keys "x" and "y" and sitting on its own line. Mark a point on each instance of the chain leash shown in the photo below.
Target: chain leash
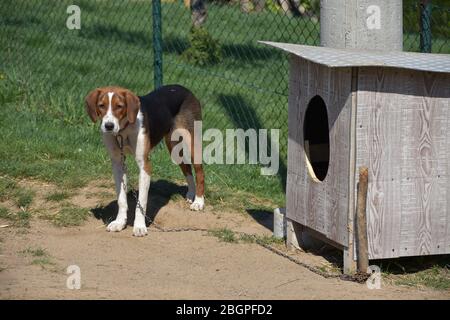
{"x": 360, "y": 278}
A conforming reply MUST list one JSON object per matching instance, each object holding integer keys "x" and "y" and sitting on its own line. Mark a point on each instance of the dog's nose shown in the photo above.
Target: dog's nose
{"x": 109, "y": 126}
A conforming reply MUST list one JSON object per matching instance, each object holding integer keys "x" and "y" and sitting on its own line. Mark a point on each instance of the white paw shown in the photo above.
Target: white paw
{"x": 198, "y": 204}
{"x": 190, "y": 195}
{"x": 116, "y": 225}
{"x": 139, "y": 230}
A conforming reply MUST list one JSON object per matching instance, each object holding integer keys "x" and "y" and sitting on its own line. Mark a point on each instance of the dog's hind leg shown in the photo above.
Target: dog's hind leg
{"x": 199, "y": 201}
{"x": 187, "y": 172}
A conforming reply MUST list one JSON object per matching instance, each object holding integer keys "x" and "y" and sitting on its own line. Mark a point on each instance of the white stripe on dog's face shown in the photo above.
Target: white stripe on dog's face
{"x": 110, "y": 124}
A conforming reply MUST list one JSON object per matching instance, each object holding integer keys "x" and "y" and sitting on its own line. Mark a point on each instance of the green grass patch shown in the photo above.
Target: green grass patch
{"x": 40, "y": 256}
{"x": 421, "y": 272}
{"x": 228, "y": 235}
{"x": 10, "y": 190}
{"x": 35, "y": 252}
{"x": 4, "y": 213}
{"x": 435, "y": 277}
{"x": 70, "y": 217}
{"x": 20, "y": 219}
{"x": 23, "y": 197}
{"x": 224, "y": 235}
{"x": 57, "y": 196}
{"x": 7, "y": 186}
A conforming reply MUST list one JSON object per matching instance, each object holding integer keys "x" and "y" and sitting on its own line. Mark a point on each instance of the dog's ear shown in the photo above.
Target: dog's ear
{"x": 133, "y": 106}
{"x": 91, "y": 104}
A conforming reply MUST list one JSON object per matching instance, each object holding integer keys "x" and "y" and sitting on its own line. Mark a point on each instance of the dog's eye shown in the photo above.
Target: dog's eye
{"x": 101, "y": 106}
{"x": 120, "y": 106}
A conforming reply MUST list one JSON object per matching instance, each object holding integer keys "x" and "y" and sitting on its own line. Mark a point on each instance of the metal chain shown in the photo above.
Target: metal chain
{"x": 359, "y": 277}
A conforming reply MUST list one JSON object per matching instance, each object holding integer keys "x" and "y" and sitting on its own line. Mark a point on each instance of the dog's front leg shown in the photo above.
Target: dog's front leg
{"x": 120, "y": 179}
{"x": 142, "y": 152}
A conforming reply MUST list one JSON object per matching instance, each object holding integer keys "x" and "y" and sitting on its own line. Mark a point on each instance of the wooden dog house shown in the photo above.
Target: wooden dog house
{"x": 388, "y": 111}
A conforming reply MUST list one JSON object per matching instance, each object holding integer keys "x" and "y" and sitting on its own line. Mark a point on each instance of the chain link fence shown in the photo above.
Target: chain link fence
{"x": 426, "y": 26}
{"x": 240, "y": 82}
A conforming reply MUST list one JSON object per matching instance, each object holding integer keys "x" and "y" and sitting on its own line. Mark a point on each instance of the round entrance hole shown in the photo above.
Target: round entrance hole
{"x": 316, "y": 137}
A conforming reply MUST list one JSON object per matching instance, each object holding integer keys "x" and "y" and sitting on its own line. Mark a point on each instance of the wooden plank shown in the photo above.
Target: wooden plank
{"x": 424, "y": 164}
{"x": 378, "y": 148}
{"x": 321, "y": 206}
{"x": 403, "y": 136}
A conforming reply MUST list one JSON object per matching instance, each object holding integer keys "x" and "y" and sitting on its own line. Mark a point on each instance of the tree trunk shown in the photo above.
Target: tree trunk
{"x": 198, "y": 12}
{"x": 246, "y": 6}
{"x": 259, "y": 5}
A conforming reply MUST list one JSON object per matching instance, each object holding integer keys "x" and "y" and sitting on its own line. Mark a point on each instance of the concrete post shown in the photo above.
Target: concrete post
{"x": 362, "y": 24}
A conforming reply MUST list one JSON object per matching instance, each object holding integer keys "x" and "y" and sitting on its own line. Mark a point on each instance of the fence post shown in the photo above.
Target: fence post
{"x": 425, "y": 25}
{"x": 157, "y": 44}
{"x": 361, "y": 221}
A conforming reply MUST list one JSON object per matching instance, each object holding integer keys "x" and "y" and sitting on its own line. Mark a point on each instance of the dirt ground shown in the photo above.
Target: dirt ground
{"x": 184, "y": 265}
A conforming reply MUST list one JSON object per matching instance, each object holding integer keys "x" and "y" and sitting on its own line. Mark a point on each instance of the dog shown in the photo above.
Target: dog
{"x": 142, "y": 122}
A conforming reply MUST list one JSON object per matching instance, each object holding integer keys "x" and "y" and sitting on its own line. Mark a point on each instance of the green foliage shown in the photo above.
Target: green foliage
{"x": 40, "y": 256}
{"x": 436, "y": 277}
{"x": 228, "y": 235}
{"x": 311, "y": 5}
{"x": 224, "y": 234}
{"x": 10, "y": 90}
{"x": 23, "y": 197}
{"x": 19, "y": 219}
{"x": 57, "y": 196}
{"x": 203, "y": 49}
{"x": 70, "y": 216}
{"x": 4, "y": 213}
{"x": 7, "y": 185}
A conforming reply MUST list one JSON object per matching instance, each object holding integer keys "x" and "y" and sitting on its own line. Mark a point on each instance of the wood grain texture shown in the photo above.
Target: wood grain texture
{"x": 403, "y": 136}
{"x": 321, "y": 206}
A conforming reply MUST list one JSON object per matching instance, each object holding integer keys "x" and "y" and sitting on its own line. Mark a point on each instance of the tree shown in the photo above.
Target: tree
{"x": 198, "y": 12}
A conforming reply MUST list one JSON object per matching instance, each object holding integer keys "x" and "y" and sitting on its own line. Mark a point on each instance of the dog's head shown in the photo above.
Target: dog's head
{"x": 114, "y": 106}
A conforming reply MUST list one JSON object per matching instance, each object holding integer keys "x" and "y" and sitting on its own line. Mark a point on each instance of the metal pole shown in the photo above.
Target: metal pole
{"x": 425, "y": 26}
{"x": 157, "y": 44}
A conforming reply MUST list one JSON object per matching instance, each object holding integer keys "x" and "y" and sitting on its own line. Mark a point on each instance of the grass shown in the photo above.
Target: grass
{"x": 10, "y": 190}
{"x": 20, "y": 219}
{"x": 224, "y": 235}
{"x": 39, "y": 256}
{"x": 230, "y": 236}
{"x": 4, "y": 213}
{"x": 419, "y": 272}
{"x": 57, "y": 196}
{"x": 435, "y": 277}
{"x": 70, "y": 216}
{"x": 23, "y": 197}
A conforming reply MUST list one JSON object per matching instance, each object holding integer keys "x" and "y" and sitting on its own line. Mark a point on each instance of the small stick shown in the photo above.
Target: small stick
{"x": 361, "y": 224}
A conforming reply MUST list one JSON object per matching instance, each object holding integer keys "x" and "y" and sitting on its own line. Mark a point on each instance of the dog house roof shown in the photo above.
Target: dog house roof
{"x": 359, "y": 58}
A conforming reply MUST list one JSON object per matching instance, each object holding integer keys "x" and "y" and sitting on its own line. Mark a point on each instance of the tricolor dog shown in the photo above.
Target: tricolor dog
{"x": 143, "y": 122}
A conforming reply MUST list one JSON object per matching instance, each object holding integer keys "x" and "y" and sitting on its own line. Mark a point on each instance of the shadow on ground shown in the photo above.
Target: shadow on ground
{"x": 263, "y": 217}
{"x": 161, "y": 191}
